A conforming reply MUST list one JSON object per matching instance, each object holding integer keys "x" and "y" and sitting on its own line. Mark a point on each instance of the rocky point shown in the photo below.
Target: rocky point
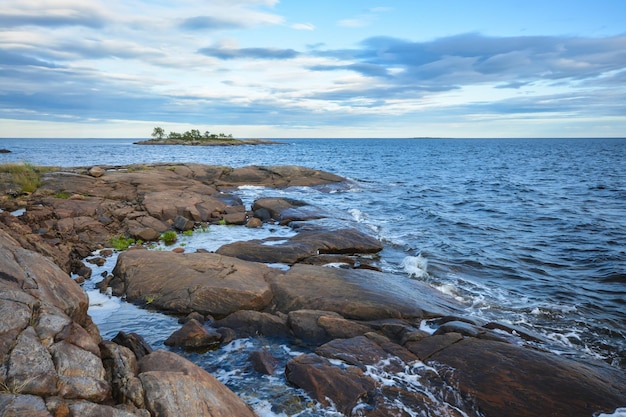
{"x": 362, "y": 326}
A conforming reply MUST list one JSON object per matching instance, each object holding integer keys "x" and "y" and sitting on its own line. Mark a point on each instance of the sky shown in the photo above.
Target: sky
{"x": 300, "y": 68}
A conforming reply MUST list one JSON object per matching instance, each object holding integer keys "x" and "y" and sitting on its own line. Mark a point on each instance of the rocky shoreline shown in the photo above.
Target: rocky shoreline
{"x": 53, "y": 361}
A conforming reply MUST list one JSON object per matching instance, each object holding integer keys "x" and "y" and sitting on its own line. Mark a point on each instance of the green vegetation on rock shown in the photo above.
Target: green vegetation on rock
{"x": 25, "y": 176}
{"x": 169, "y": 237}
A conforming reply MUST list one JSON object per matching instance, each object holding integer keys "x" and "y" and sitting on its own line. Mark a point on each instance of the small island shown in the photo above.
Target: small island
{"x": 193, "y": 137}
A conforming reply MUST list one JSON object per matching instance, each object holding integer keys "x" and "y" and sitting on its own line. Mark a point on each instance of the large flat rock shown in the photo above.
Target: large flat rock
{"x": 204, "y": 282}
{"x": 357, "y": 294}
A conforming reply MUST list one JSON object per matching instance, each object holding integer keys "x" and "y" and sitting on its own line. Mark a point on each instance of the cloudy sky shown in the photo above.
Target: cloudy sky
{"x": 323, "y": 68}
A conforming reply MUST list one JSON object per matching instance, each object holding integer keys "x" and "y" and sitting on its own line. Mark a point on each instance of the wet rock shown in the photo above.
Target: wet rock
{"x": 428, "y": 346}
{"x": 467, "y": 329}
{"x": 286, "y": 210}
{"x": 98, "y": 261}
{"x": 237, "y": 218}
{"x": 194, "y": 316}
{"x": 357, "y": 351}
{"x": 248, "y": 323}
{"x": 304, "y": 325}
{"x": 529, "y": 382}
{"x": 134, "y": 342}
{"x": 182, "y": 223}
{"x": 328, "y": 384}
{"x": 304, "y": 245}
{"x": 176, "y": 387}
{"x": 340, "y": 328}
{"x": 263, "y": 362}
{"x": 356, "y": 294}
{"x": 254, "y": 223}
{"x": 204, "y": 282}
{"x": 194, "y": 336}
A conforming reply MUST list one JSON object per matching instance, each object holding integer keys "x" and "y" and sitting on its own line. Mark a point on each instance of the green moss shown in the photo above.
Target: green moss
{"x": 188, "y": 233}
{"x": 170, "y": 237}
{"x": 122, "y": 243}
{"x": 62, "y": 195}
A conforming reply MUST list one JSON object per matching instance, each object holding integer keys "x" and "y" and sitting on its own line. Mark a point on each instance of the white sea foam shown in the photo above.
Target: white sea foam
{"x": 415, "y": 266}
{"x": 619, "y": 412}
{"x": 357, "y": 215}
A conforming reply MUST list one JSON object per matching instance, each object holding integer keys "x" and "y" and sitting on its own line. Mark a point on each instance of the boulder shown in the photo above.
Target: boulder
{"x": 81, "y": 373}
{"x": 176, "y": 387}
{"x": 182, "y": 223}
{"x": 357, "y": 294}
{"x": 134, "y": 342}
{"x": 304, "y": 245}
{"x": 304, "y": 325}
{"x": 168, "y": 204}
{"x": 194, "y": 336}
{"x": 204, "y": 282}
{"x": 263, "y": 362}
{"x": 249, "y": 323}
{"x": 96, "y": 172}
{"x": 285, "y": 210}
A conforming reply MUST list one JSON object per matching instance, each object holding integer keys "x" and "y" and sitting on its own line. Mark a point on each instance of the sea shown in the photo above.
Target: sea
{"x": 527, "y": 232}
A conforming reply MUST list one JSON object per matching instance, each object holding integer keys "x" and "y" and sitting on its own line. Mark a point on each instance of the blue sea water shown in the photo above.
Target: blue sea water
{"x": 531, "y": 232}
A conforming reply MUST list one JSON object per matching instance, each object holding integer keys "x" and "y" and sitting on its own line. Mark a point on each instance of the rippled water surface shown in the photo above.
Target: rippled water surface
{"x": 530, "y": 232}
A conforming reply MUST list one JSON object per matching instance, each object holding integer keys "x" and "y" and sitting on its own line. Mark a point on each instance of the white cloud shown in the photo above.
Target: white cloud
{"x": 303, "y": 26}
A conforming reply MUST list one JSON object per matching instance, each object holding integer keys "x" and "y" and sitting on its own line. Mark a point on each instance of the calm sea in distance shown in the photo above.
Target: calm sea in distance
{"x": 530, "y": 232}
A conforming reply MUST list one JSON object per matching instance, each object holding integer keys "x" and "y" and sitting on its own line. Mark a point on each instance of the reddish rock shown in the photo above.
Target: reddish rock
{"x": 204, "y": 282}
{"x": 176, "y": 387}
{"x": 357, "y": 294}
{"x": 263, "y": 362}
{"x": 249, "y": 323}
{"x": 428, "y": 346}
{"x": 194, "y": 336}
{"x": 506, "y": 380}
{"x": 328, "y": 384}
{"x": 254, "y": 223}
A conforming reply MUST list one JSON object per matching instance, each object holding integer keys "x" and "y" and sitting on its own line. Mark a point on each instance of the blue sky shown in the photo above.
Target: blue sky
{"x": 349, "y": 68}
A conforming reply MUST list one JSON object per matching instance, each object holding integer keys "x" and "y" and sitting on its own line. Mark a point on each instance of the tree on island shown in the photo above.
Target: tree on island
{"x": 192, "y": 135}
{"x": 158, "y": 133}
